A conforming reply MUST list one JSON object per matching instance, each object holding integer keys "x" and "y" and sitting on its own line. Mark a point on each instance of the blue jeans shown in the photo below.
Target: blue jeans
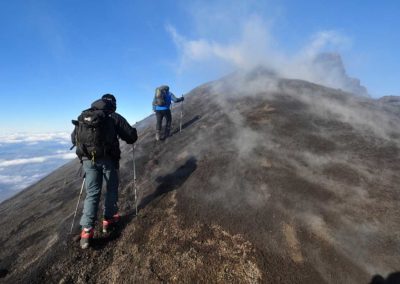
{"x": 95, "y": 173}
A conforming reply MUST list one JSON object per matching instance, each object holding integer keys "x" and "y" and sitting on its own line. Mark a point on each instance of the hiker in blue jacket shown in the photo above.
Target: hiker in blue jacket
{"x": 161, "y": 106}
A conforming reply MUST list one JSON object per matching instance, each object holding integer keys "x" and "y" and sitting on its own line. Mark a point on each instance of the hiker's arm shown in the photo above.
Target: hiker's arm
{"x": 124, "y": 130}
{"x": 175, "y": 99}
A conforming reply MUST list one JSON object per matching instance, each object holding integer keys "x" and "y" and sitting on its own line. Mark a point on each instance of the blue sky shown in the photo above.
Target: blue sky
{"x": 56, "y": 57}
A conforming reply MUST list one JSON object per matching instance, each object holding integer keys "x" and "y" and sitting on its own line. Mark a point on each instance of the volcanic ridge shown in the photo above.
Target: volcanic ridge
{"x": 270, "y": 181}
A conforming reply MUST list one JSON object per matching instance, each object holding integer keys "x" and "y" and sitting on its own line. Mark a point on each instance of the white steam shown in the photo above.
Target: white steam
{"x": 254, "y": 45}
{"x": 344, "y": 175}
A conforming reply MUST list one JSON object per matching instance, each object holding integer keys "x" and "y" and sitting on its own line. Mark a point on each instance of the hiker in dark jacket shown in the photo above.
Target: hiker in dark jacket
{"x": 102, "y": 164}
{"x": 161, "y": 106}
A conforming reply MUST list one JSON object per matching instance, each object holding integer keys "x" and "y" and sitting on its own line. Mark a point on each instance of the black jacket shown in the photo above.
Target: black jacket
{"x": 120, "y": 129}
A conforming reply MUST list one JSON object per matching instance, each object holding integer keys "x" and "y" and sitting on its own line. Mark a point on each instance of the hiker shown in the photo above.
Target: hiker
{"x": 96, "y": 136}
{"x": 392, "y": 278}
{"x": 161, "y": 106}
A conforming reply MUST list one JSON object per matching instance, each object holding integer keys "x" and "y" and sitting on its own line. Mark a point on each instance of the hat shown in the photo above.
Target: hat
{"x": 111, "y": 99}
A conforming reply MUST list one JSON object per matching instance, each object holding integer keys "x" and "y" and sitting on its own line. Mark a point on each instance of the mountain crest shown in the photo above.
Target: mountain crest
{"x": 271, "y": 180}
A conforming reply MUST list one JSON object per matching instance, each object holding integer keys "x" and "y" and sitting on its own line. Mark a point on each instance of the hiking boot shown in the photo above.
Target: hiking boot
{"x": 167, "y": 133}
{"x": 86, "y": 235}
{"x": 108, "y": 224}
{"x": 158, "y": 136}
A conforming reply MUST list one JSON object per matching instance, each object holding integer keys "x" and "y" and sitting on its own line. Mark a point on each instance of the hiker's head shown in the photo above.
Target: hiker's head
{"x": 111, "y": 99}
{"x": 392, "y": 278}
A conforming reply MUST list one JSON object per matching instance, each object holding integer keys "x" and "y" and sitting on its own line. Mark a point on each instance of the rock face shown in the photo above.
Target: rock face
{"x": 392, "y": 100}
{"x": 390, "y": 104}
{"x": 332, "y": 68}
{"x": 270, "y": 180}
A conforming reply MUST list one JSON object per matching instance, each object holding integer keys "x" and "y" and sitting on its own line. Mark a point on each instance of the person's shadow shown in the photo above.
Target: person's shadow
{"x": 171, "y": 181}
{"x": 393, "y": 278}
{"x": 187, "y": 124}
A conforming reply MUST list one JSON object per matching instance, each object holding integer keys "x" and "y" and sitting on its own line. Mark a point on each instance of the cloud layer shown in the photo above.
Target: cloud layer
{"x": 26, "y": 158}
{"x": 35, "y": 160}
{"x": 59, "y": 137}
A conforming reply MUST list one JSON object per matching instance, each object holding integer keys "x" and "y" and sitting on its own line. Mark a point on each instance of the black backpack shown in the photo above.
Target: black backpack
{"x": 94, "y": 134}
{"x": 160, "y": 94}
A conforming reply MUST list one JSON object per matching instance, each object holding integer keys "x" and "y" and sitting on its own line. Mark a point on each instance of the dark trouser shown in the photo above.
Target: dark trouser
{"x": 95, "y": 173}
{"x": 160, "y": 115}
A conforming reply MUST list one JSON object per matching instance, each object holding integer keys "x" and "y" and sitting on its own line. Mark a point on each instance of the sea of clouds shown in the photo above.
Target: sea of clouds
{"x": 26, "y": 158}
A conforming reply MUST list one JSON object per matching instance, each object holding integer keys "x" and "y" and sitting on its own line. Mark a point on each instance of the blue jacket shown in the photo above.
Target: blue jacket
{"x": 168, "y": 98}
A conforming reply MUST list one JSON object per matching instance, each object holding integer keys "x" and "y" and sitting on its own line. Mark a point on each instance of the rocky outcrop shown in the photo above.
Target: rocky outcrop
{"x": 331, "y": 67}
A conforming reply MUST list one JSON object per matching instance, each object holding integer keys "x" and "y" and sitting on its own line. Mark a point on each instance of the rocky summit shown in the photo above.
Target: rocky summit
{"x": 271, "y": 180}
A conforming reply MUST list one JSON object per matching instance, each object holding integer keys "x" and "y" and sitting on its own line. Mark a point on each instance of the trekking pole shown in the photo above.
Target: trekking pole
{"x": 180, "y": 123}
{"x": 77, "y": 205}
{"x": 134, "y": 177}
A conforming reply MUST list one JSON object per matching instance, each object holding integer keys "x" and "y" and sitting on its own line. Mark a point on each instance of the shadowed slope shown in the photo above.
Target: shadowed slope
{"x": 277, "y": 181}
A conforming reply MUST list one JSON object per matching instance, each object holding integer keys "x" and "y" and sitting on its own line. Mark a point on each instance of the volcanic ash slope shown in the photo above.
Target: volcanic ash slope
{"x": 271, "y": 180}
